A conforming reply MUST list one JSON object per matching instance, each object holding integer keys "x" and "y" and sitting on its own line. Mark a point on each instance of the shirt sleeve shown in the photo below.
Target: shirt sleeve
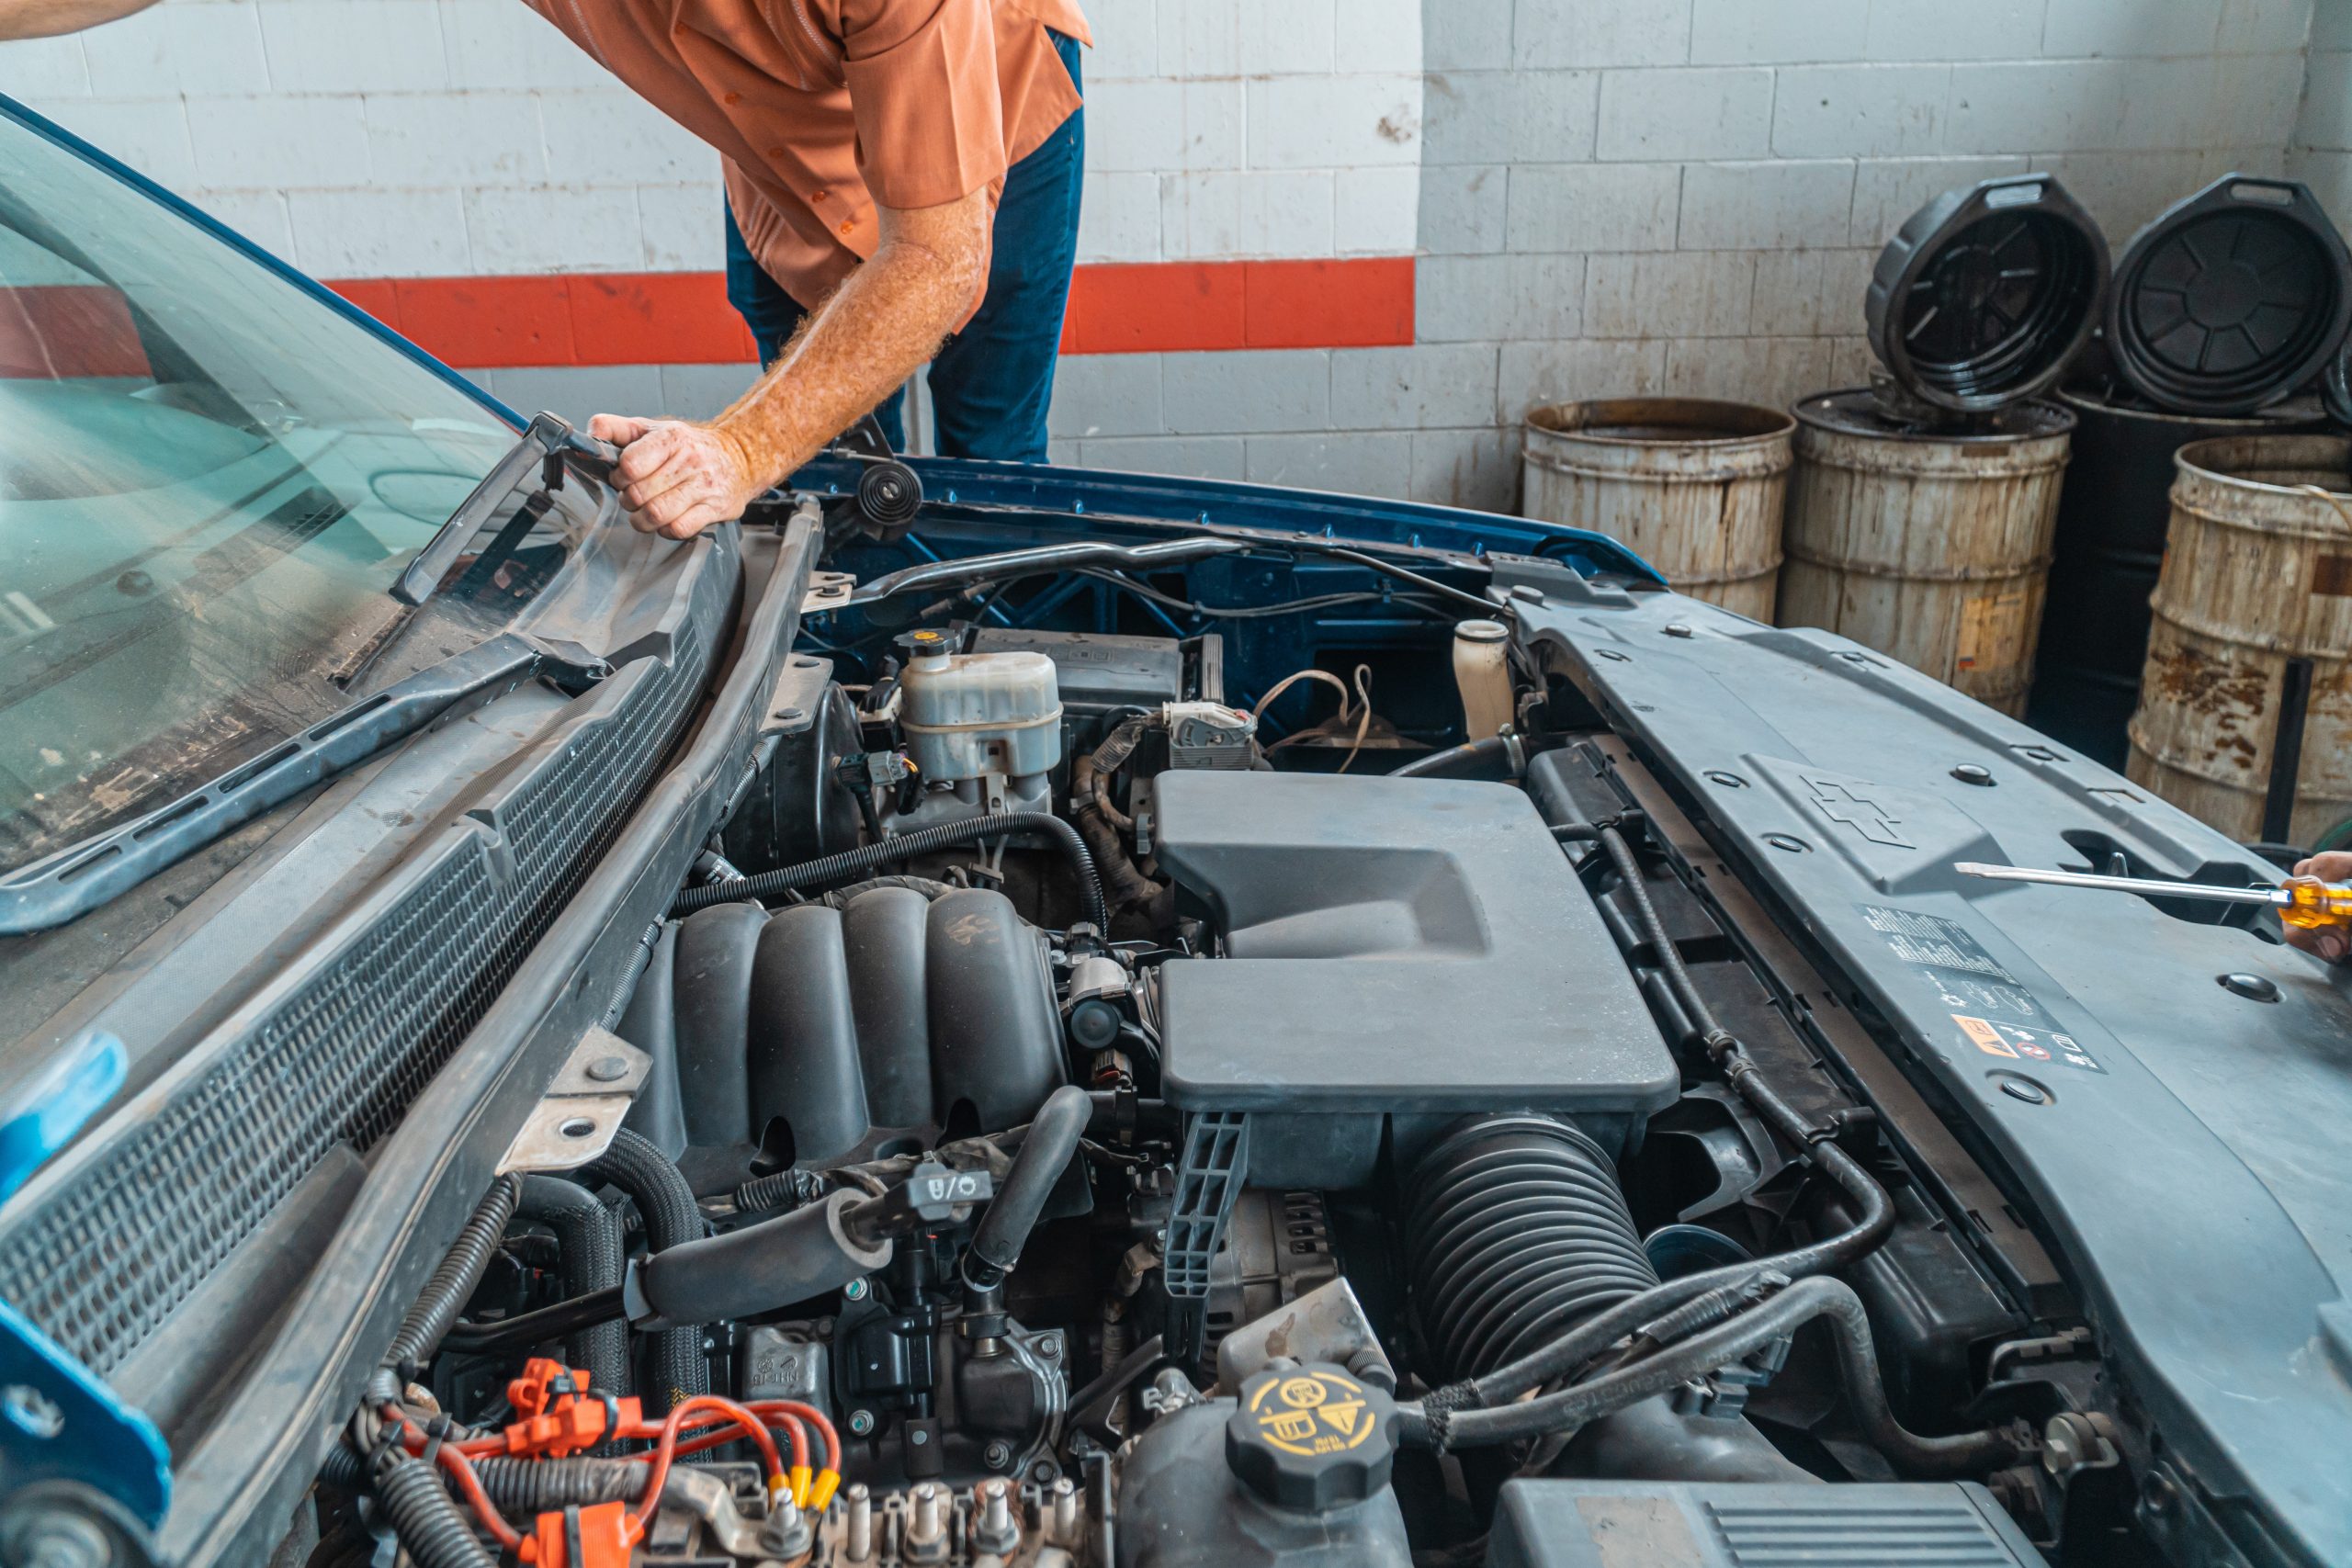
{"x": 923, "y": 87}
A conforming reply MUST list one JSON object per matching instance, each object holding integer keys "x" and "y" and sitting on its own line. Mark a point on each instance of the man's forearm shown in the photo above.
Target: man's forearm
{"x": 47, "y": 18}
{"x": 888, "y": 318}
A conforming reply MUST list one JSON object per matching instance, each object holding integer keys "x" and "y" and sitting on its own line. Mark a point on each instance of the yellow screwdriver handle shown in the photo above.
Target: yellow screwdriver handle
{"x": 2317, "y": 904}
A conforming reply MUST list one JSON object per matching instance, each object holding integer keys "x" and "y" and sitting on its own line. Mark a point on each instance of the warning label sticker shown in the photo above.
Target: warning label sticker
{"x": 2021, "y": 1045}
{"x": 1995, "y": 1012}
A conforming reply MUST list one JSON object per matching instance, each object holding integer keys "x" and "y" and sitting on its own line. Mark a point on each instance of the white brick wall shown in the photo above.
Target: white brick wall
{"x": 467, "y": 136}
{"x": 2322, "y": 151}
{"x": 1608, "y": 197}
{"x": 1222, "y": 128}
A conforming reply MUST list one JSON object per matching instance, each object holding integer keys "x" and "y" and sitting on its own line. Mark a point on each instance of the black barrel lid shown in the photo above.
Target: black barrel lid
{"x": 1986, "y": 294}
{"x": 2231, "y": 299}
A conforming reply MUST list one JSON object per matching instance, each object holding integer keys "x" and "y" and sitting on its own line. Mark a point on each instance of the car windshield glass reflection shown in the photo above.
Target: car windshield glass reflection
{"x": 209, "y": 480}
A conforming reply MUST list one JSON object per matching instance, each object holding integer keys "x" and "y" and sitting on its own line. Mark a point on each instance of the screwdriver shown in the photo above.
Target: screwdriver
{"x": 2303, "y": 901}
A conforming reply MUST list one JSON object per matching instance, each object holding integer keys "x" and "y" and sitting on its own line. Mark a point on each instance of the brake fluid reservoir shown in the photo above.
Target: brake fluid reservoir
{"x": 966, "y": 715}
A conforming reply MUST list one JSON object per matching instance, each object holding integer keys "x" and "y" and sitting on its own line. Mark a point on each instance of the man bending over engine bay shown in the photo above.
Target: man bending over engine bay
{"x": 902, "y": 185}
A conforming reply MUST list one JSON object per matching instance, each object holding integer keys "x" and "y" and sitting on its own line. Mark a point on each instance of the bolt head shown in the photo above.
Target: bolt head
{"x": 861, "y": 1423}
{"x": 998, "y": 1455}
{"x": 857, "y": 1291}
{"x": 609, "y": 1069}
{"x": 31, "y": 1412}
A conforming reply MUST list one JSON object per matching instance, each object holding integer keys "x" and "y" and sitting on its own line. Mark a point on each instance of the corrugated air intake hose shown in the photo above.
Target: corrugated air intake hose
{"x": 1515, "y": 1231}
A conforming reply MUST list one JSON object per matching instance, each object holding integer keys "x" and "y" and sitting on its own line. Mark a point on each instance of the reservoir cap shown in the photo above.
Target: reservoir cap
{"x": 1312, "y": 1438}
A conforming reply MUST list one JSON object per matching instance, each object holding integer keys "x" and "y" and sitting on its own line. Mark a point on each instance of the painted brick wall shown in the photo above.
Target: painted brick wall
{"x": 2320, "y": 154}
{"x": 1601, "y": 197}
{"x": 1623, "y": 196}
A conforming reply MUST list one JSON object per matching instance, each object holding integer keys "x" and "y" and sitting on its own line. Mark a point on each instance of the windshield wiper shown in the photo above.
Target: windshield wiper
{"x": 58, "y": 887}
{"x": 535, "y": 462}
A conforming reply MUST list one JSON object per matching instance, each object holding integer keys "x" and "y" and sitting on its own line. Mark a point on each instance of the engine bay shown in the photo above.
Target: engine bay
{"x": 1071, "y": 1124}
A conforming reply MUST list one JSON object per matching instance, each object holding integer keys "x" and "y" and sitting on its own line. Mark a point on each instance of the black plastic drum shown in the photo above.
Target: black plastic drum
{"x": 1984, "y": 295}
{"x": 2113, "y": 515}
{"x": 2232, "y": 300}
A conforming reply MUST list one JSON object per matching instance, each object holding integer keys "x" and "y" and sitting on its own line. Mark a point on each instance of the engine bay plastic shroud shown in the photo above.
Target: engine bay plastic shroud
{"x": 2192, "y": 1180}
{"x": 1604, "y": 1524}
{"x": 1412, "y": 948}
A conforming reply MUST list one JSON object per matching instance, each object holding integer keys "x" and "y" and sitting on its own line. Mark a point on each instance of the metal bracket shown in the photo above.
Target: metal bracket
{"x": 827, "y": 590}
{"x": 573, "y": 1124}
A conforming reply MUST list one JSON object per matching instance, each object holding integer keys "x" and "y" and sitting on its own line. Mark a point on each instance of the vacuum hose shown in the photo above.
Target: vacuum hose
{"x": 1515, "y": 1228}
{"x": 906, "y": 846}
{"x": 1045, "y": 1154}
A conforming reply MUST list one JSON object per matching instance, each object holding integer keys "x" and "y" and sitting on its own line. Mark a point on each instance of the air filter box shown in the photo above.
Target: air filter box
{"x": 1394, "y": 953}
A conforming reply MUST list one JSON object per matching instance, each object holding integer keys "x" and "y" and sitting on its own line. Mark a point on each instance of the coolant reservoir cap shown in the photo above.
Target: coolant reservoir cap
{"x": 1312, "y": 1438}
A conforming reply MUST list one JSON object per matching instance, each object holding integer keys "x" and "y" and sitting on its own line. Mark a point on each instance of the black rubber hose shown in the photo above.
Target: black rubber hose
{"x": 906, "y": 846}
{"x": 667, "y": 1205}
{"x": 1966, "y": 1453}
{"x": 425, "y": 1519}
{"x": 1046, "y": 1153}
{"x": 453, "y": 1282}
{"x": 588, "y": 1237}
{"x": 526, "y": 1329}
{"x": 1453, "y": 759}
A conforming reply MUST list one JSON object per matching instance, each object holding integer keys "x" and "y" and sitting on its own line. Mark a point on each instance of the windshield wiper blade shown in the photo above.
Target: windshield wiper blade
{"x": 60, "y": 887}
{"x": 536, "y": 461}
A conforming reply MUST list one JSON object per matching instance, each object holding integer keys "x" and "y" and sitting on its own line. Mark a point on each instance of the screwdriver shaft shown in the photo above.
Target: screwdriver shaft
{"x": 2153, "y": 887}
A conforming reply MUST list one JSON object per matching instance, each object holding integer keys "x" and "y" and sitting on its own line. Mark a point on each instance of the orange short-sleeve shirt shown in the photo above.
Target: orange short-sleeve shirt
{"x": 820, "y": 108}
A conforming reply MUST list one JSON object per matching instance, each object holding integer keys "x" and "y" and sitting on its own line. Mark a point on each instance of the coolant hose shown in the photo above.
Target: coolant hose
{"x": 672, "y": 1218}
{"x": 1966, "y": 1453}
{"x": 425, "y": 1521}
{"x": 453, "y": 1281}
{"x": 588, "y": 1239}
{"x": 1453, "y": 759}
{"x": 906, "y": 846}
{"x": 1046, "y": 1153}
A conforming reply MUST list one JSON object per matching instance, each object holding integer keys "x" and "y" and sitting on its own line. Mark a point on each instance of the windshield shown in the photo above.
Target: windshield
{"x": 208, "y": 482}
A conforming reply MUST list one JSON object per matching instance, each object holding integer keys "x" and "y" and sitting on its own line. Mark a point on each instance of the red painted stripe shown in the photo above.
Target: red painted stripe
{"x": 682, "y": 318}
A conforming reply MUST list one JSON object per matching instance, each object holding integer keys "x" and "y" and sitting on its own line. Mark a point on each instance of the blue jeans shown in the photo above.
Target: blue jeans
{"x": 991, "y": 383}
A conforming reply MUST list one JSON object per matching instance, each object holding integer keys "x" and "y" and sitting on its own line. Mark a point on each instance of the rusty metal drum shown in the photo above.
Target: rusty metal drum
{"x": 2256, "y": 579}
{"x": 1694, "y": 487}
{"x": 1929, "y": 544}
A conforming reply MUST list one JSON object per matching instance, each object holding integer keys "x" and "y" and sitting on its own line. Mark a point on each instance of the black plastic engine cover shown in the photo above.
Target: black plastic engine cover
{"x": 1399, "y": 945}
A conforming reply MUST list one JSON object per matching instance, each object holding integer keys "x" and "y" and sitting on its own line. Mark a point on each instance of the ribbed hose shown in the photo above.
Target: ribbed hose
{"x": 787, "y": 1189}
{"x": 523, "y": 1488}
{"x": 906, "y": 846}
{"x": 453, "y": 1281}
{"x": 1515, "y": 1230}
{"x": 667, "y": 1205}
{"x": 588, "y": 1238}
{"x": 426, "y": 1521}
